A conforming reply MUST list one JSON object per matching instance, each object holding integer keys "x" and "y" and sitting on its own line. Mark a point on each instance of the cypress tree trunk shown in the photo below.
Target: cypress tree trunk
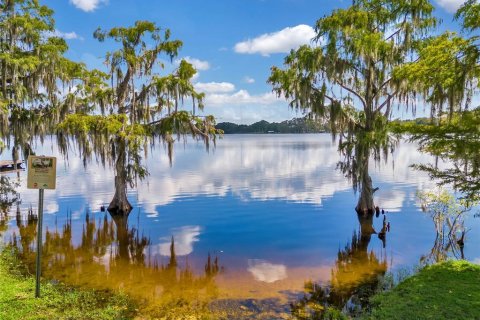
{"x": 365, "y": 203}
{"x": 120, "y": 204}
{"x": 15, "y": 156}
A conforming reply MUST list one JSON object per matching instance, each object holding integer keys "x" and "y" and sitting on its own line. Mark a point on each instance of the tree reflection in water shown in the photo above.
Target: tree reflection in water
{"x": 357, "y": 272}
{"x": 448, "y": 215}
{"x": 112, "y": 256}
{"x": 8, "y": 194}
{"x": 8, "y": 197}
{"x": 356, "y": 275}
{"x": 456, "y": 143}
{"x": 3, "y": 222}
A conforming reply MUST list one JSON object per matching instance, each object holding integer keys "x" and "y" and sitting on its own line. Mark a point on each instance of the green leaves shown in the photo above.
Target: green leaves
{"x": 32, "y": 66}
{"x": 352, "y": 61}
{"x": 469, "y": 12}
{"x": 135, "y": 52}
{"x": 455, "y": 141}
{"x": 83, "y": 124}
{"x": 442, "y": 73}
{"x": 131, "y": 35}
{"x": 140, "y": 46}
{"x": 185, "y": 70}
{"x": 446, "y": 71}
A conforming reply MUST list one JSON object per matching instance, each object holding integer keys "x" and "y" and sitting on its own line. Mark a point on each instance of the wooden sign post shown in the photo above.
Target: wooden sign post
{"x": 42, "y": 174}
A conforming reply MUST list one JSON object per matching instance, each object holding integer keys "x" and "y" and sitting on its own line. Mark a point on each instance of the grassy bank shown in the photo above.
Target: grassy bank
{"x": 17, "y": 299}
{"x": 60, "y": 302}
{"x": 450, "y": 290}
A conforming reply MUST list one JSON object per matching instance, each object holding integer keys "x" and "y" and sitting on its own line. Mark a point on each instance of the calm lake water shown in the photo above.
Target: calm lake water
{"x": 251, "y": 220}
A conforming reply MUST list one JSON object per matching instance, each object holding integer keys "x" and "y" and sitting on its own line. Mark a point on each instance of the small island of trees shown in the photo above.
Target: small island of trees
{"x": 296, "y": 125}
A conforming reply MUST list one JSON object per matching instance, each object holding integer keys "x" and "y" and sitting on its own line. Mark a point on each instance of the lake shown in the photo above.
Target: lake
{"x": 252, "y": 221}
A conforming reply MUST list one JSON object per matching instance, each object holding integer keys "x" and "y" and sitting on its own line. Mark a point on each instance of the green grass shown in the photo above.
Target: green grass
{"x": 17, "y": 299}
{"x": 450, "y": 290}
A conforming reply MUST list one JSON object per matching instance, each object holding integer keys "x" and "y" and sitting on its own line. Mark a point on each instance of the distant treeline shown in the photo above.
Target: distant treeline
{"x": 296, "y": 125}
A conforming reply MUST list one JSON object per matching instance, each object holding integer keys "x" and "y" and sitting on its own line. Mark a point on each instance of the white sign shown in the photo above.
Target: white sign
{"x": 42, "y": 172}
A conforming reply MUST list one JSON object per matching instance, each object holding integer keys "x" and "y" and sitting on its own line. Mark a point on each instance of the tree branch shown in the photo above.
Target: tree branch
{"x": 362, "y": 99}
{"x": 122, "y": 89}
{"x": 143, "y": 94}
{"x": 387, "y": 101}
{"x": 383, "y": 84}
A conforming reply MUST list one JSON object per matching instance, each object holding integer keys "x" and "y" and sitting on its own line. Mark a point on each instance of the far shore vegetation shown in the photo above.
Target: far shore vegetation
{"x": 305, "y": 125}
{"x": 296, "y": 125}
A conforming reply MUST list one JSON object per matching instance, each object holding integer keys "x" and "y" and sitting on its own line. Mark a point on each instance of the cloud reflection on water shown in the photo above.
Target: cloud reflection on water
{"x": 265, "y": 271}
{"x": 297, "y": 168}
{"x": 184, "y": 238}
{"x": 290, "y": 168}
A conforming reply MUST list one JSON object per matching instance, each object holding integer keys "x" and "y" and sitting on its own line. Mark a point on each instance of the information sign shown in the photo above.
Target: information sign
{"x": 42, "y": 172}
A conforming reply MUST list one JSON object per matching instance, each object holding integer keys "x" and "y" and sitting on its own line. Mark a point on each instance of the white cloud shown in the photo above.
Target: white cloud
{"x": 267, "y": 272}
{"x": 197, "y": 63}
{"x": 248, "y": 114}
{"x": 215, "y": 87}
{"x": 69, "y": 35}
{"x": 65, "y": 35}
{"x": 450, "y": 5}
{"x": 87, "y": 5}
{"x": 242, "y": 97}
{"x": 245, "y": 108}
{"x": 277, "y": 42}
{"x": 249, "y": 80}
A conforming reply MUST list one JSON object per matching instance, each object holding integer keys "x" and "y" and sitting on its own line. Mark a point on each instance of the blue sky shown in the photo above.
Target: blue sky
{"x": 232, "y": 43}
